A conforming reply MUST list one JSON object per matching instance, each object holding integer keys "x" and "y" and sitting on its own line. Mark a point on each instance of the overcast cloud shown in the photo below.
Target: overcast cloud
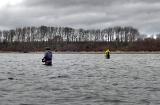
{"x": 98, "y": 14}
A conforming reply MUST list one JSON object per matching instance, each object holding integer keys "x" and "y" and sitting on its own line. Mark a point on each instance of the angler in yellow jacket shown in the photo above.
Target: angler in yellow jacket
{"x": 107, "y": 54}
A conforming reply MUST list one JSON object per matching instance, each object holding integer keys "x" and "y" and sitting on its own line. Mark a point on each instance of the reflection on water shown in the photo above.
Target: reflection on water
{"x": 81, "y": 79}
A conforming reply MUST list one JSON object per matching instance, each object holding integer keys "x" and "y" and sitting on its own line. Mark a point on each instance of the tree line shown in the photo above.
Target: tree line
{"x": 67, "y": 38}
{"x": 44, "y": 33}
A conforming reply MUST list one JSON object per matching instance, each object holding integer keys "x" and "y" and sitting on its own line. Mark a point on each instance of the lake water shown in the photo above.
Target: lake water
{"x": 80, "y": 79}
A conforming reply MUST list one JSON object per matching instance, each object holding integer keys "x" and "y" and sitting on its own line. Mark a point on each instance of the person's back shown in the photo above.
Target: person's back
{"x": 47, "y": 57}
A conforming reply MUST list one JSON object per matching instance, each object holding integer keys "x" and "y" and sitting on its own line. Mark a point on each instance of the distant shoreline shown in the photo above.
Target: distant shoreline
{"x": 90, "y": 52}
{"x": 112, "y": 52}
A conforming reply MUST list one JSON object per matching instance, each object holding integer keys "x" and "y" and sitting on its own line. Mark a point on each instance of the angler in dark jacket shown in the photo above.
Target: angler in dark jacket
{"x": 47, "y": 57}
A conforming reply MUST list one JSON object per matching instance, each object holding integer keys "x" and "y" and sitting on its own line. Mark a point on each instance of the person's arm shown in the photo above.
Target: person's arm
{"x": 44, "y": 58}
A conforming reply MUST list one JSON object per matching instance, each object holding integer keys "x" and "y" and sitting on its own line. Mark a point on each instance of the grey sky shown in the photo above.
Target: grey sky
{"x": 98, "y": 14}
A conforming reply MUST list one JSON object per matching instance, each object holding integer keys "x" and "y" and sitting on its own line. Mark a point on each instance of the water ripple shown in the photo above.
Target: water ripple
{"x": 82, "y": 79}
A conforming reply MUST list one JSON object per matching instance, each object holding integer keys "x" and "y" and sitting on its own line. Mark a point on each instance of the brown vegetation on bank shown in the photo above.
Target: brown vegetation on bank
{"x": 140, "y": 45}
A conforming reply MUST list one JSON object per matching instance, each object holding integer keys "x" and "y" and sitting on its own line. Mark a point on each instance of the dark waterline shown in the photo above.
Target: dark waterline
{"x": 81, "y": 79}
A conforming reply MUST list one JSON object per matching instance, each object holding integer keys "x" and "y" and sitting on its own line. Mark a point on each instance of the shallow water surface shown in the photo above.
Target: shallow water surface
{"x": 80, "y": 79}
